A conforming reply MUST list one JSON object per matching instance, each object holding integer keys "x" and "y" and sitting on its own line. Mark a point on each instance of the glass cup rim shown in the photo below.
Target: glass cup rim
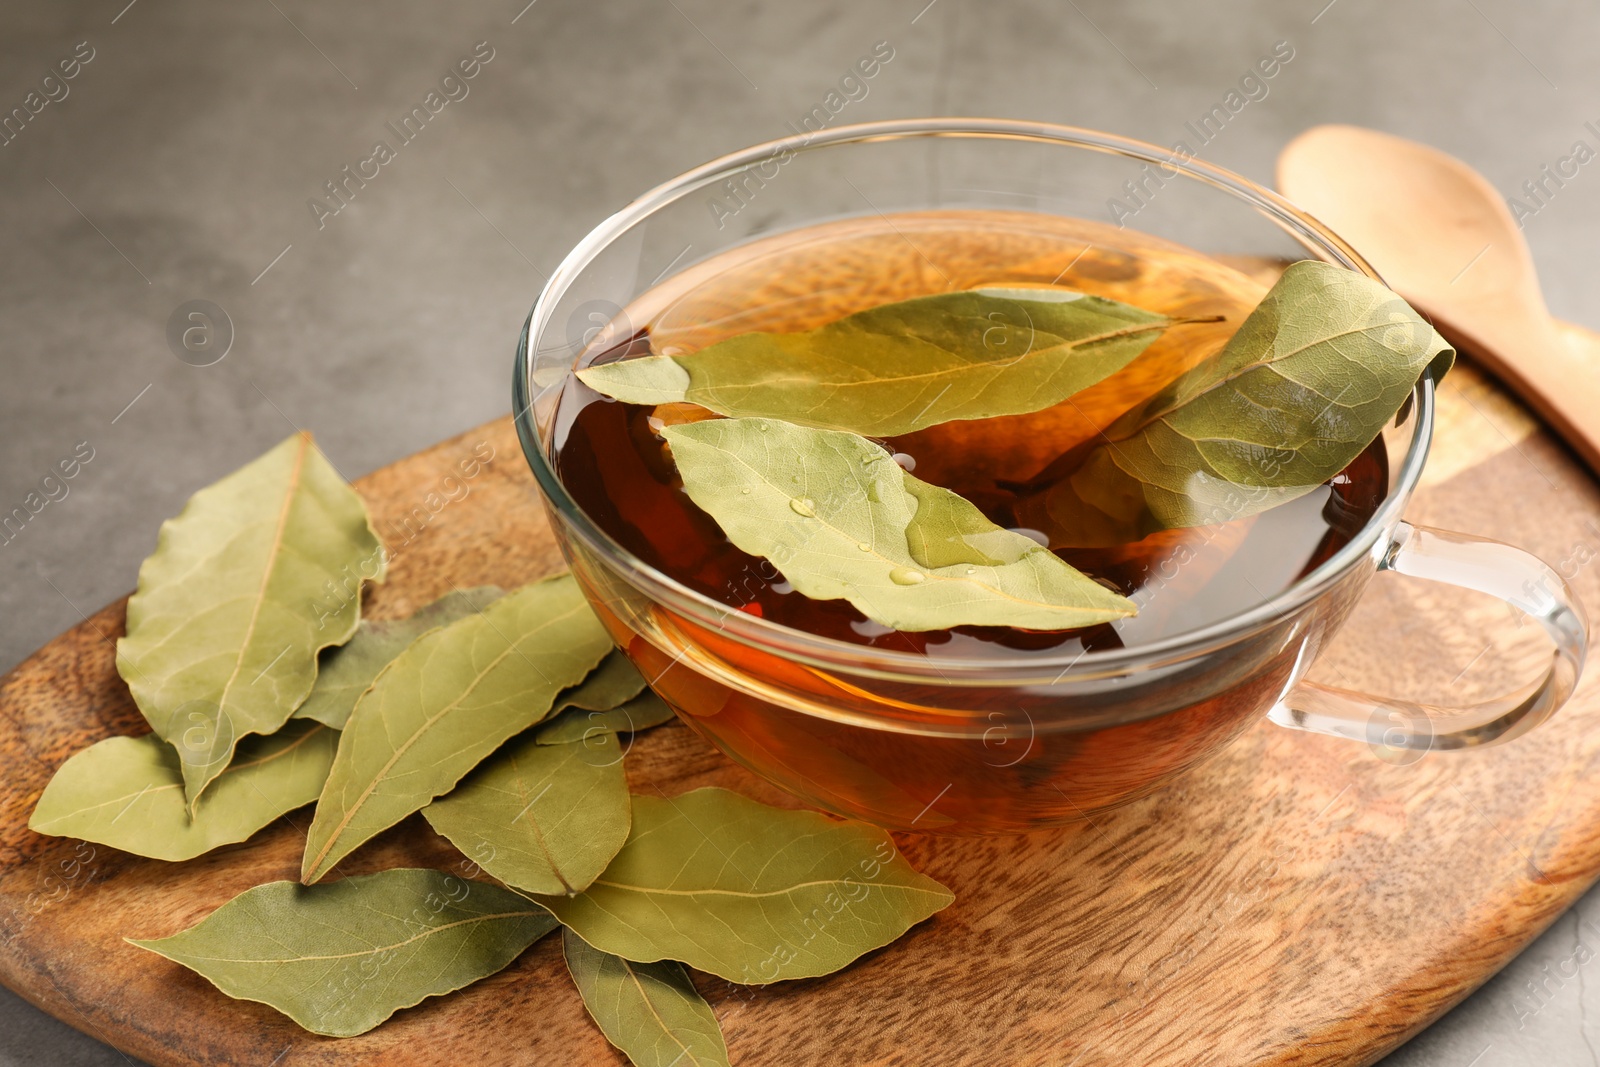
{"x": 890, "y": 664}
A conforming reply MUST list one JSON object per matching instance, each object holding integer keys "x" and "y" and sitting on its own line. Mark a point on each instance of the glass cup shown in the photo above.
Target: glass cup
{"x": 998, "y": 745}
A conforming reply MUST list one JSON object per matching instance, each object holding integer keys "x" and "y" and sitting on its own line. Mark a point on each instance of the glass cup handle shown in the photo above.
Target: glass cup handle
{"x": 1516, "y": 577}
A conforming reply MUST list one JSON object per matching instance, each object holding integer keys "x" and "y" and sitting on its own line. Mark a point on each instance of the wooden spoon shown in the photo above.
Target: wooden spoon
{"x": 1443, "y": 238}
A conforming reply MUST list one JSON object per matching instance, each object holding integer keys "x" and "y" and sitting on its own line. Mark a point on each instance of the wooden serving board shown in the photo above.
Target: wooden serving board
{"x": 1297, "y": 900}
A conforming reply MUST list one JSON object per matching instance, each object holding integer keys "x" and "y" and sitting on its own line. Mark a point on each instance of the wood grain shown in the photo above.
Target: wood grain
{"x": 1297, "y": 900}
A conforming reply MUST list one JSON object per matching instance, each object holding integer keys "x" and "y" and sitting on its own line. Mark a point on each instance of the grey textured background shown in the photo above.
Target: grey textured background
{"x": 180, "y": 163}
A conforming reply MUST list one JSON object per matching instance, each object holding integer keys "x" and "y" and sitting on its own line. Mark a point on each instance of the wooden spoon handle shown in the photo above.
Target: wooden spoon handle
{"x": 1547, "y": 371}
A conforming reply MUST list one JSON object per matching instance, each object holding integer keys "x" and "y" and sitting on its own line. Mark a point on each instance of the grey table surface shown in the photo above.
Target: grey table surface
{"x": 179, "y": 163}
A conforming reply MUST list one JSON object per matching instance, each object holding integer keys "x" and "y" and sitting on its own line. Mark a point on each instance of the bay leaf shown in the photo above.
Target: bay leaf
{"x": 616, "y": 681}
{"x": 447, "y": 702}
{"x": 748, "y": 892}
{"x": 901, "y": 367}
{"x": 840, "y": 519}
{"x": 341, "y": 958}
{"x": 541, "y": 818}
{"x": 127, "y": 792}
{"x": 1304, "y": 386}
{"x": 630, "y": 717}
{"x": 344, "y": 673}
{"x": 259, "y": 572}
{"x": 651, "y": 1011}
{"x": 614, "y": 699}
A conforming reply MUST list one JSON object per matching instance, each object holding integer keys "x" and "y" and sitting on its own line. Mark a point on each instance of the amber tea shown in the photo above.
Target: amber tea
{"x": 613, "y": 458}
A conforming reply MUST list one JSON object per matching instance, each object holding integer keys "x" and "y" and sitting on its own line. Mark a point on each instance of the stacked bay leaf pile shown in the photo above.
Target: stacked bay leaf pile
{"x": 495, "y": 714}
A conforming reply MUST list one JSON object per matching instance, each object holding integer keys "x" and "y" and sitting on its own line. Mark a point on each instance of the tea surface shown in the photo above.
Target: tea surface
{"x": 613, "y": 460}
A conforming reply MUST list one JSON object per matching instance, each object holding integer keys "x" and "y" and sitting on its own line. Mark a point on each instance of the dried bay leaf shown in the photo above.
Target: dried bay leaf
{"x": 447, "y": 702}
{"x": 235, "y": 603}
{"x": 613, "y": 699}
{"x": 541, "y": 818}
{"x": 630, "y": 717}
{"x": 341, "y": 958}
{"x": 904, "y": 366}
{"x": 651, "y": 1011}
{"x": 344, "y": 673}
{"x": 1302, "y": 388}
{"x": 748, "y": 892}
{"x": 616, "y": 681}
{"x": 840, "y": 519}
{"x": 127, "y": 792}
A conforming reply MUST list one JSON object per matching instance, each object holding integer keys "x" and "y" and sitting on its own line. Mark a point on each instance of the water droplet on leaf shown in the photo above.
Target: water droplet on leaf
{"x": 802, "y": 506}
{"x": 905, "y": 576}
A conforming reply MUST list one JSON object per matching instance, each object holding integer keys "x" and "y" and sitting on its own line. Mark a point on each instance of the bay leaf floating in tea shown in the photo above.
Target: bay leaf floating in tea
{"x": 341, "y": 958}
{"x": 446, "y": 703}
{"x": 748, "y": 892}
{"x": 541, "y": 818}
{"x": 651, "y": 1011}
{"x": 1306, "y": 384}
{"x": 841, "y": 520}
{"x": 127, "y": 792}
{"x": 905, "y": 366}
{"x": 235, "y": 603}
{"x": 344, "y": 673}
